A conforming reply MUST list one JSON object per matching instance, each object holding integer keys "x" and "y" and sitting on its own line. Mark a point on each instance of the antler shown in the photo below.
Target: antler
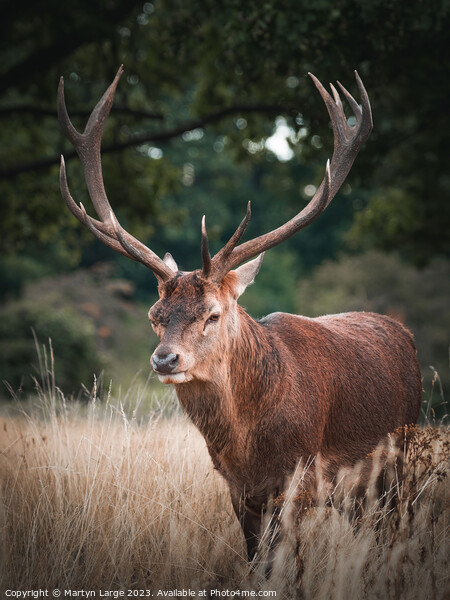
{"x": 88, "y": 145}
{"x": 347, "y": 143}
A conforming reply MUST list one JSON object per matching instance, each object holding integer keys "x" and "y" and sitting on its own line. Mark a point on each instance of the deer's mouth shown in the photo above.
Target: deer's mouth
{"x": 182, "y": 377}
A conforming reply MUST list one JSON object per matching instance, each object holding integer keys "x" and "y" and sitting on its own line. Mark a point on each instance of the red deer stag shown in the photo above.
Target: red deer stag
{"x": 266, "y": 393}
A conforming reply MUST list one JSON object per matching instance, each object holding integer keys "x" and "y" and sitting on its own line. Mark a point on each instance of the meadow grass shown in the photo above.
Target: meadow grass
{"x": 95, "y": 498}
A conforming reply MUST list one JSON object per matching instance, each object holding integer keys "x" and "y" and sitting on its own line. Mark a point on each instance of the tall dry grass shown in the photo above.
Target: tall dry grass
{"x": 348, "y": 546}
{"x": 103, "y": 503}
{"x": 91, "y": 499}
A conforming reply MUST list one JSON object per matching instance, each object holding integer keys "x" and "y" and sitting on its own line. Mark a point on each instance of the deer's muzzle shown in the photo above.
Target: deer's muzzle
{"x": 165, "y": 363}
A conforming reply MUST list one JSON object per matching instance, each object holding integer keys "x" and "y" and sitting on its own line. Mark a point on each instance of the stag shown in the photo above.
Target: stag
{"x": 264, "y": 394}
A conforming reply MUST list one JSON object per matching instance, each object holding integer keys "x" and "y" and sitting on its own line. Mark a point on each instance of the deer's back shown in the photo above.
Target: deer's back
{"x": 353, "y": 376}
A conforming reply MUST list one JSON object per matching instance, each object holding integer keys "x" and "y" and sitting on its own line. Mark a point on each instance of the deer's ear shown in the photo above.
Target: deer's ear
{"x": 168, "y": 259}
{"x": 246, "y": 274}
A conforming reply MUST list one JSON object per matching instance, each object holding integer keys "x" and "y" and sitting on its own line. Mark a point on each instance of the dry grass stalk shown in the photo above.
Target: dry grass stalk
{"x": 100, "y": 502}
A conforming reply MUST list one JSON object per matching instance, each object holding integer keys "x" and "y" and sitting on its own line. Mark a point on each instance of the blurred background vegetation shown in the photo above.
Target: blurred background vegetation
{"x": 215, "y": 109}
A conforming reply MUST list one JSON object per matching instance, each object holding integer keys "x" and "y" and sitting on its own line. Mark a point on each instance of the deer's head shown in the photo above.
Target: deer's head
{"x": 196, "y": 319}
{"x": 196, "y": 315}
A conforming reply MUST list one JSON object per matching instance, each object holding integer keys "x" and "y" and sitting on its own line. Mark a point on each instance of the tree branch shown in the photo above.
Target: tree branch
{"x": 158, "y": 136}
{"x": 41, "y": 111}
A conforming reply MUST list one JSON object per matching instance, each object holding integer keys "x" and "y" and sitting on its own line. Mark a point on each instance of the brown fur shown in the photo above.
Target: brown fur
{"x": 267, "y": 394}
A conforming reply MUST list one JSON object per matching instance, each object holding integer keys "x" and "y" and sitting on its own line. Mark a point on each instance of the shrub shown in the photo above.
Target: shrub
{"x": 72, "y": 338}
{"x": 15, "y": 271}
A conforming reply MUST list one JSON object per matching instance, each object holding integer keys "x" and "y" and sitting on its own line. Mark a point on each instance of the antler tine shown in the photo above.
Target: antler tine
{"x": 347, "y": 143}
{"x": 220, "y": 259}
{"x": 88, "y": 147}
{"x": 100, "y": 235}
{"x": 335, "y": 109}
{"x": 105, "y": 232}
{"x": 139, "y": 252}
{"x": 366, "y": 110}
{"x": 336, "y": 97}
{"x": 353, "y": 104}
{"x": 63, "y": 116}
{"x": 88, "y": 143}
{"x": 225, "y": 252}
{"x": 101, "y": 230}
{"x": 206, "y": 256}
{"x": 98, "y": 117}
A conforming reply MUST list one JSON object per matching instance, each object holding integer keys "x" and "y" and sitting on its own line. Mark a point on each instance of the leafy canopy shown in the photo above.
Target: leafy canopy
{"x": 228, "y": 69}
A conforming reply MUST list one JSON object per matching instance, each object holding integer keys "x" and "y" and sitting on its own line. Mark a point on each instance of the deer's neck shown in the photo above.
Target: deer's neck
{"x": 225, "y": 408}
{"x": 254, "y": 367}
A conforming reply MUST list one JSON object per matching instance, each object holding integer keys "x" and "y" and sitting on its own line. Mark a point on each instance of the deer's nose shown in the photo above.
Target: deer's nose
{"x": 164, "y": 362}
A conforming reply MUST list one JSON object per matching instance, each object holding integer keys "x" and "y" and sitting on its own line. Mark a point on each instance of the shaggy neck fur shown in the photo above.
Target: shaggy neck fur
{"x": 248, "y": 371}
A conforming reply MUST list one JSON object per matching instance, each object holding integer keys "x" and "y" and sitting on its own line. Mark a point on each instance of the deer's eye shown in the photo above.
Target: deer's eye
{"x": 213, "y": 318}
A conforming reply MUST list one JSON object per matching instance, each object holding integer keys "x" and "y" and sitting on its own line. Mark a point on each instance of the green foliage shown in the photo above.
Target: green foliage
{"x": 15, "y": 271}
{"x": 187, "y": 62}
{"x": 275, "y": 287}
{"x": 383, "y": 283}
{"x": 71, "y": 337}
{"x": 390, "y": 215}
{"x": 203, "y": 86}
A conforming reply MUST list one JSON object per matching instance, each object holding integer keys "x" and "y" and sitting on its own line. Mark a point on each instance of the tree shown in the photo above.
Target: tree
{"x": 203, "y": 65}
